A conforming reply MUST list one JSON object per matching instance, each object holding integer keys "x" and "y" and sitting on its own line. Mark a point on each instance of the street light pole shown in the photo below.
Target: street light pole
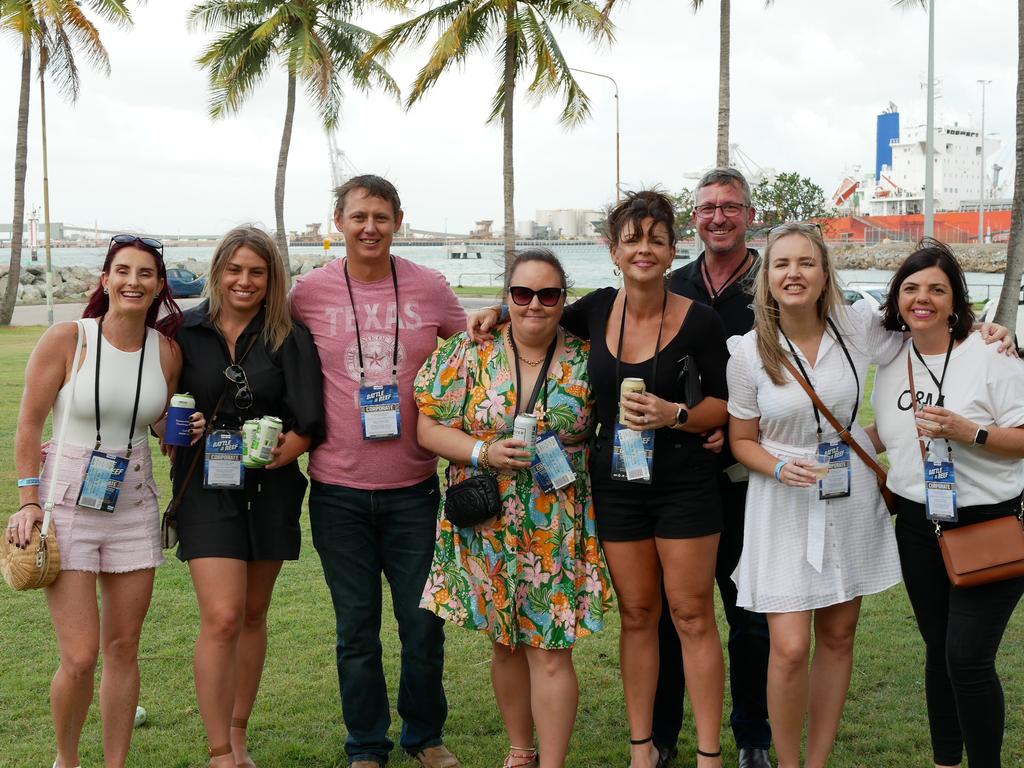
{"x": 929, "y": 151}
{"x": 981, "y": 193}
{"x": 618, "y": 181}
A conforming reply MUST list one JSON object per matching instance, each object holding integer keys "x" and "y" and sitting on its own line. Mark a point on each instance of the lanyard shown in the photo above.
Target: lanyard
{"x": 355, "y": 318}
{"x": 796, "y": 357}
{"x": 542, "y": 378}
{"x": 938, "y": 382}
{"x": 716, "y": 293}
{"x": 657, "y": 344}
{"x": 138, "y": 387}
{"x": 917, "y": 403}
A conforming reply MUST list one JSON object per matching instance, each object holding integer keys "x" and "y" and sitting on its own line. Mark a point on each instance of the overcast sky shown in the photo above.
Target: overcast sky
{"x": 138, "y": 151}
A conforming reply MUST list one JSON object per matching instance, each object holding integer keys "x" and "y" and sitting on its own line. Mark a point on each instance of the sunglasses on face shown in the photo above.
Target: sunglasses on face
{"x": 236, "y": 375}
{"x": 149, "y": 242}
{"x": 522, "y": 295}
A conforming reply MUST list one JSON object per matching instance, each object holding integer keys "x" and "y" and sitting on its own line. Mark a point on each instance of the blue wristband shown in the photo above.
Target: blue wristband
{"x": 28, "y": 482}
{"x": 475, "y": 458}
{"x": 778, "y": 470}
{"x": 503, "y": 314}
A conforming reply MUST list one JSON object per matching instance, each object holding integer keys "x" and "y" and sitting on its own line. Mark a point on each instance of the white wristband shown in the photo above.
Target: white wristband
{"x": 475, "y": 458}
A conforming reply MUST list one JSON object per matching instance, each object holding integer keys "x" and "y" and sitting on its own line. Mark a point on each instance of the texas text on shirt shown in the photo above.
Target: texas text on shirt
{"x": 427, "y": 309}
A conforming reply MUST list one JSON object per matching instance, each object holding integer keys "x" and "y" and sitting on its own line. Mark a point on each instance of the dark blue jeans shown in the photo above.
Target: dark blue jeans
{"x": 748, "y": 646}
{"x": 360, "y": 535}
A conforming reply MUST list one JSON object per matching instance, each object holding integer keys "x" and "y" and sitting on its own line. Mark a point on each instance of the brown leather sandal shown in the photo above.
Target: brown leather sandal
{"x": 243, "y": 723}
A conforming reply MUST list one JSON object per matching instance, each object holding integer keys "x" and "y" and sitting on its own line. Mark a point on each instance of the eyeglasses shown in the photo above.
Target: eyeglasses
{"x": 803, "y": 227}
{"x": 522, "y": 295}
{"x": 730, "y": 210}
{"x": 149, "y": 242}
{"x": 236, "y": 375}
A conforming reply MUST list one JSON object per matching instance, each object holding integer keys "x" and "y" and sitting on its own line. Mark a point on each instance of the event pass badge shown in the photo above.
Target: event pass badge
{"x": 836, "y": 482}
{"x": 632, "y": 454}
{"x": 550, "y": 466}
{"x": 102, "y": 483}
{"x": 940, "y": 491}
{"x": 379, "y": 407}
{"x": 222, "y": 466}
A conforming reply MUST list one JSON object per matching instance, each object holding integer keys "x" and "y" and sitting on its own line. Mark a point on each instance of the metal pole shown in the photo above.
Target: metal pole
{"x": 981, "y": 193}
{"x": 618, "y": 179}
{"x": 46, "y": 189}
{"x": 929, "y": 152}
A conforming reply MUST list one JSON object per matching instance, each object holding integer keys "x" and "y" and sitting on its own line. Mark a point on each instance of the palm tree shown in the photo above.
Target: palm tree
{"x": 312, "y": 39}
{"x": 53, "y": 30}
{"x": 522, "y": 32}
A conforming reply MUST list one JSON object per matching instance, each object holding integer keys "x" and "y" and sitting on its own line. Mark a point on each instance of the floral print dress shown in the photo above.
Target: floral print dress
{"x": 535, "y": 575}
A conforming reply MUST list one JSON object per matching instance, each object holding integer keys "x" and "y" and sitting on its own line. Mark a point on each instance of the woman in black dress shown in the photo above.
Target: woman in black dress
{"x": 240, "y": 347}
{"x": 664, "y": 527}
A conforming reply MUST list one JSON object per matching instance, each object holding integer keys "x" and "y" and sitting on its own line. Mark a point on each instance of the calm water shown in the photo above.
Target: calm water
{"x": 589, "y": 266}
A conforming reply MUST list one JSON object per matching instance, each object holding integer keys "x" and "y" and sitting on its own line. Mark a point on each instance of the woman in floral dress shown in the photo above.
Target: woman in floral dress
{"x": 533, "y": 578}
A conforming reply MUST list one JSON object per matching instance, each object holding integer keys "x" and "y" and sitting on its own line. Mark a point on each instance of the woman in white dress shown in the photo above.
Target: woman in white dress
{"x": 807, "y": 560}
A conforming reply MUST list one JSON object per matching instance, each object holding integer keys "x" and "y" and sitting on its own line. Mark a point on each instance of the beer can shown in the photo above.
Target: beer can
{"x": 178, "y": 430}
{"x": 630, "y": 384}
{"x": 525, "y": 428}
{"x": 249, "y": 432}
{"x": 260, "y": 451}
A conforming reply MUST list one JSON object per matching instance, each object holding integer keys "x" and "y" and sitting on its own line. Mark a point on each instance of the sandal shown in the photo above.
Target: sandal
{"x": 527, "y": 757}
{"x": 224, "y": 749}
{"x": 243, "y": 723}
{"x": 702, "y": 753}
{"x": 648, "y": 740}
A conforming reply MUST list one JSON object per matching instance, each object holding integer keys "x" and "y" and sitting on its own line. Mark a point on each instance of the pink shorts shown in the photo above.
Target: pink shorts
{"x": 127, "y": 539}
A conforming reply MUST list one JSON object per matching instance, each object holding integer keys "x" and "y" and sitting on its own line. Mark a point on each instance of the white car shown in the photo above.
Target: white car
{"x": 988, "y": 314}
{"x": 875, "y": 294}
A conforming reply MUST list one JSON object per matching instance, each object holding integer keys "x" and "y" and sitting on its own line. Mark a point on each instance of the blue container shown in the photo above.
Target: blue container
{"x": 179, "y": 424}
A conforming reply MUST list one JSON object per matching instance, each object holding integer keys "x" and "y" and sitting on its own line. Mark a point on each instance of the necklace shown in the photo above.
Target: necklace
{"x": 532, "y": 363}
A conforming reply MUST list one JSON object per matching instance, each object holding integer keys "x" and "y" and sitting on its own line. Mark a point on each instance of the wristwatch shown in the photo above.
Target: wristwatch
{"x": 981, "y": 436}
{"x": 681, "y": 416}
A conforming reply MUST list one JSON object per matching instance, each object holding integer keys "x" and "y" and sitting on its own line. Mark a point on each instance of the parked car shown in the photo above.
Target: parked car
{"x": 988, "y": 313}
{"x": 875, "y": 294}
{"x": 184, "y": 283}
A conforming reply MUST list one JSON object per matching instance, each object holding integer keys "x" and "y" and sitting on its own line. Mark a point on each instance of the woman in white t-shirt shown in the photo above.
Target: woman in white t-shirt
{"x": 807, "y": 559}
{"x": 969, "y": 410}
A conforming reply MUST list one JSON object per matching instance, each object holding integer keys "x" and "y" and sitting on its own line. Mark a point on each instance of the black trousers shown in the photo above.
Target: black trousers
{"x": 748, "y": 646}
{"x": 962, "y": 629}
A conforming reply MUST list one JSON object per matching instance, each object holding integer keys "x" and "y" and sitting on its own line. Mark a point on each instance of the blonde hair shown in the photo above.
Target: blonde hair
{"x": 277, "y": 323}
{"x": 766, "y": 308}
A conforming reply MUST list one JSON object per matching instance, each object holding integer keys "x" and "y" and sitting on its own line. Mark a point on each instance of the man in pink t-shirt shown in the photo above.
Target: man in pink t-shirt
{"x": 373, "y": 501}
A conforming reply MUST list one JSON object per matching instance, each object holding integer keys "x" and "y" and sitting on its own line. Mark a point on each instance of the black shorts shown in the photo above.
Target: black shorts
{"x": 682, "y": 502}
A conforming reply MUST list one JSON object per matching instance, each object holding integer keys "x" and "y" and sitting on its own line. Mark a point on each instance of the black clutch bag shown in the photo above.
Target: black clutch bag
{"x": 689, "y": 381}
{"x": 473, "y": 501}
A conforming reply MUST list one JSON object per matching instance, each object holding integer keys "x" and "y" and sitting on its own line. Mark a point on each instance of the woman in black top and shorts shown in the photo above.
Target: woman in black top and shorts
{"x": 242, "y": 348}
{"x": 666, "y": 528}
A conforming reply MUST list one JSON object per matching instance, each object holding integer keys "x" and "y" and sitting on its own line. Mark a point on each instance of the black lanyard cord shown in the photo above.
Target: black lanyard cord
{"x": 849, "y": 359}
{"x": 138, "y": 386}
{"x": 355, "y": 318}
{"x": 657, "y": 344}
{"x": 940, "y": 400}
{"x": 716, "y": 293}
{"x": 541, "y": 385}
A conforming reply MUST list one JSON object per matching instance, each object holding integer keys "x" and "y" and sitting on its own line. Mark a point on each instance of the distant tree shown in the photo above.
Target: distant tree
{"x": 314, "y": 41}
{"x": 52, "y": 32}
{"x": 789, "y": 197}
{"x": 1006, "y": 313}
{"x": 683, "y": 202}
{"x": 522, "y": 31}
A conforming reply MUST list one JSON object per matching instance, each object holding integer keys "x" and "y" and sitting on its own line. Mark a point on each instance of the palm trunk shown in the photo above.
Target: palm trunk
{"x": 10, "y": 297}
{"x": 508, "y": 169}
{"x": 282, "y": 167}
{"x": 1009, "y": 296}
{"x": 43, "y": 56}
{"x": 722, "y": 153}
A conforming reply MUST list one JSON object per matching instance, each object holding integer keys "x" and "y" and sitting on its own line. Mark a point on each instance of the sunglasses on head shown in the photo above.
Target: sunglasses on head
{"x": 522, "y": 295}
{"x": 236, "y": 375}
{"x": 149, "y": 242}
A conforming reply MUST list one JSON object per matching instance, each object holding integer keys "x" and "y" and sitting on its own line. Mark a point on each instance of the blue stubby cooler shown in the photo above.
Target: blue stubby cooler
{"x": 179, "y": 426}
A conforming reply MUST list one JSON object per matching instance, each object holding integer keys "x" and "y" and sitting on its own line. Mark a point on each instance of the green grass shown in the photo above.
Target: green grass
{"x": 297, "y": 721}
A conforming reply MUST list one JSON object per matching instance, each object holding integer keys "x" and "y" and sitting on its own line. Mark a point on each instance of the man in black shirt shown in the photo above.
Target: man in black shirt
{"x": 722, "y": 277}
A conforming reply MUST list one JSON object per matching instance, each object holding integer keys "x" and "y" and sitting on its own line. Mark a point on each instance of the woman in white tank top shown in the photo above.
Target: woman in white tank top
{"x": 129, "y": 367}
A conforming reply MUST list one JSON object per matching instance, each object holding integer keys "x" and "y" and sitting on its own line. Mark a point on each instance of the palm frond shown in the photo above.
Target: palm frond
{"x": 513, "y": 46}
{"x": 237, "y": 63}
{"x": 581, "y": 15}
{"x": 551, "y": 71}
{"x": 223, "y": 14}
{"x": 85, "y": 37}
{"x": 113, "y": 11}
{"x": 922, "y": 4}
{"x": 415, "y": 30}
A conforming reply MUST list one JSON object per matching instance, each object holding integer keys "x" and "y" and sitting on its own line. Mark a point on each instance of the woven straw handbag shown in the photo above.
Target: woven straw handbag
{"x": 38, "y": 564}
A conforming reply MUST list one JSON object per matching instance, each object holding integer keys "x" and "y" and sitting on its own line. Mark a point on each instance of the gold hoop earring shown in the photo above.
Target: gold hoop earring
{"x": 616, "y": 271}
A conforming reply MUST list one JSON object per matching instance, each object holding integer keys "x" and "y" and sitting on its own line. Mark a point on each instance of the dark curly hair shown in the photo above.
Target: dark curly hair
{"x": 931, "y": 253}
{"x": 637, "y": 206}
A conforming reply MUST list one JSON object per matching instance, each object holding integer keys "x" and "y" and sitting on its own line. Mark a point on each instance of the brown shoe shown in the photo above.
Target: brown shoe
{"x": 437, "y": 757}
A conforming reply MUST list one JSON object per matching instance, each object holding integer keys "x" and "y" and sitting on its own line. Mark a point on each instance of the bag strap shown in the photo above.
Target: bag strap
{"x": 913, "y": 396}
{"x": 176, "y": 501}
{"x": 866, "y": 457}
{"x": 58, "y": 457}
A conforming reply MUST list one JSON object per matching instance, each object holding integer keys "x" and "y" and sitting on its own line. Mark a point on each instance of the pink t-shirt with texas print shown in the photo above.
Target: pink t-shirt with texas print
{"x": 427, "y": 308}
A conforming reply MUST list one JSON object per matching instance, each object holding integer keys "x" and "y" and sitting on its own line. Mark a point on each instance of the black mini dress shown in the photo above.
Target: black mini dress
{"x": 682, "y": 500}
{"x": 261, "y": 520}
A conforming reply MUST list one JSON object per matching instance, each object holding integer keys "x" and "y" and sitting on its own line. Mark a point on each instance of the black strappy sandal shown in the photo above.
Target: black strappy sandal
{"x": 648, "y": 740}
{"x": 702, "y": 753}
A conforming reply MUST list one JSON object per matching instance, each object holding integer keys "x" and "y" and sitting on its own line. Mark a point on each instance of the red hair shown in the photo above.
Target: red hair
{"x": 170, "y": 321}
